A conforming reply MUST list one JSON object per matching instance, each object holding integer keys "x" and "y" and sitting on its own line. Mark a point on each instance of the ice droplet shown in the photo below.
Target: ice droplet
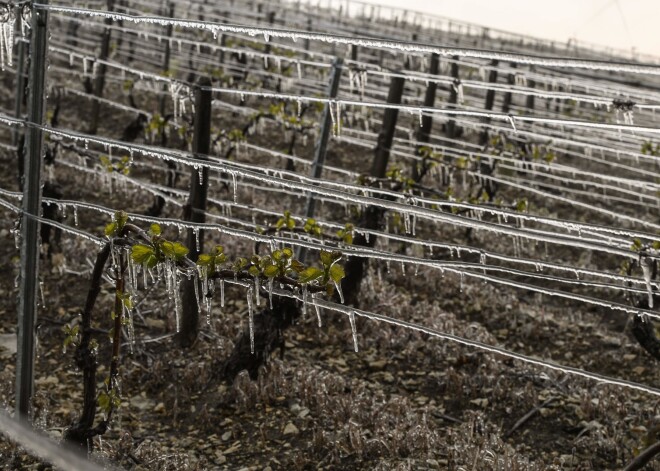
{"x": 351, "y": 318}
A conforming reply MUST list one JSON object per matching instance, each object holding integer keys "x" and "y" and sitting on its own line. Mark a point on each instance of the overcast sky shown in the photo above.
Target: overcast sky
{"x": 618, "y": 23}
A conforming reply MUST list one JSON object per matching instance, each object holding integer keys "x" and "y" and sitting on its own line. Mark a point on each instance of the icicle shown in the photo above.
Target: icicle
{"x": 317, "y": 308}
{"x": 41, "y": 293}
{"x": 299, "y": 69}
{"x": 351, "y": 79}
{"x": 197, "y": 280}
{"x": 341, "y": 294}
{"x": 351, "y": 318}
{"x": 130, "y": 328}
{"x": 209, "y": 299}
{"x": 257, "y": 288}
{"x": 177, "y": 296}
{"x": 196, "y": 232}
{"x": 304, "y": 300}
{"x": 299, "y": 102}
{"x": 251, "y": 317}
{"x": 512, "y": 120}
{"x": 338, "y": 103}
{"x": 144, "y": 275}
{"x": 647, "y": 264}
{"x": 333, "y": 119}
{"x": 363, "y": 82}
{"x": 222, "y": 292}
{"x": 175, "y": 90}
{"x": 271, "y": 280}
{"x": 233, "y": 179}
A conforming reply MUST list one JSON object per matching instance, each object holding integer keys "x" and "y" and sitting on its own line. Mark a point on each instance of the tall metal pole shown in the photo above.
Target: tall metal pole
{"x": 27, "y": 301}
{"x": 322, "y": 143}
{"x": 326, "y": 124}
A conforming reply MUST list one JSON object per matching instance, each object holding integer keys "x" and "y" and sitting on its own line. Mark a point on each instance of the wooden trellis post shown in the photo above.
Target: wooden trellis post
{"x": 195, "y": 210}
{"x": 372, "y": 216}
{"x": 99, "y": 80}
{"x": 424, "y": 131}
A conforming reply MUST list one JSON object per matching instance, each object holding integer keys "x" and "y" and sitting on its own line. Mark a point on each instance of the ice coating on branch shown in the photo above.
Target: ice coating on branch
{"x": 250, "y": 303}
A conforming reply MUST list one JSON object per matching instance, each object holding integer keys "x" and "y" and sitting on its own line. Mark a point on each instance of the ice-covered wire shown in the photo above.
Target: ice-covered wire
{"x": 401, "y": 46}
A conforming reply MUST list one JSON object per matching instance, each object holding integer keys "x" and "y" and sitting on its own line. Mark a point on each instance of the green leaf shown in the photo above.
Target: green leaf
{"x": 142, "y": 254}
{"x": 337, "y": 273}
{"x": 287, "y": 252}
{"x": 104, "y": 402}
{"x": 205, "y": 260}
{"x": 271, "y": 271}
{"x": 128, "y": 302}
{"x": 310, "y": 274}
{"x": 121, "y": 218}
{"x": 173, "y": 250}
{"x": 254, "y": 271}
{"x": 297, "y": 266}
{"x": 328, "y": 258}
{"x": 155, "y": 229}
{"x": 239, "y": 264}
{"x": 110, "y": 229}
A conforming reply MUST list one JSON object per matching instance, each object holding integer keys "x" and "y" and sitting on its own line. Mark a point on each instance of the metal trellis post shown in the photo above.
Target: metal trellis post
{"x": 29, "y": 271}
{"x": 322, "y": 142}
